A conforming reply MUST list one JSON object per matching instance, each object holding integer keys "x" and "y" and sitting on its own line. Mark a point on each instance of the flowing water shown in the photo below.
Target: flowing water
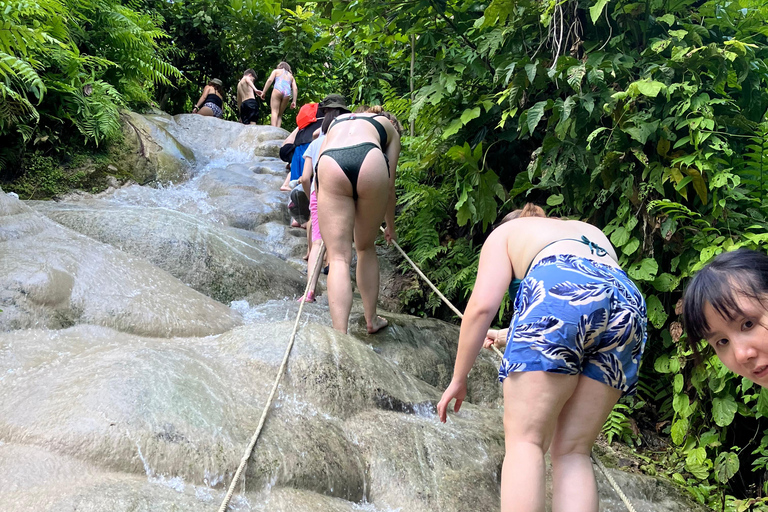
{"x": 141, "y": 330}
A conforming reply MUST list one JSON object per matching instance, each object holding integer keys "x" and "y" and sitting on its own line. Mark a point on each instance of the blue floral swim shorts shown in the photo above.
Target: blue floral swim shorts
{"x": 575, "y": 316}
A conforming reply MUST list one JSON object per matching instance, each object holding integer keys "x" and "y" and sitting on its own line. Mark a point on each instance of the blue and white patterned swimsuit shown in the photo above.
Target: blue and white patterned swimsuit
{"x": 574, "y": 315}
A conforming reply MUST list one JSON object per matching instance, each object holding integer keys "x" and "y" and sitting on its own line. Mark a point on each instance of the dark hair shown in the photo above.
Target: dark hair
{"x": 284, "y": 65}
{"x": 329, "y": 114}
{"x": 377, "y": 109}
{"x": 250, "y": 71}
{"x": 529, "y": 210}
{"x": 719, "y": 283}
{"x": 218, "y": 88}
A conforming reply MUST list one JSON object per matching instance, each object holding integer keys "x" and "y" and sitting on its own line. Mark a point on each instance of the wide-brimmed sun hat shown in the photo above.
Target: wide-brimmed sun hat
{"x": 334, "y": 101}
{"x": 216, "y": 81}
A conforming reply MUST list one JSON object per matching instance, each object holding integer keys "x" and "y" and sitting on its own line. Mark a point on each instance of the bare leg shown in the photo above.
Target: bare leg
{"x": 274, "y": 105}
{"x": 580, "y": 421}
{"x": 309, "y": 244}
{"x": 286, "y": 101}
{"x": 286, "y": 187}
{"x": 532, "y": 404}
{"x": 373, "y": 193}
{"x": 206, "y": 111}
{"x": 336, "y": 214}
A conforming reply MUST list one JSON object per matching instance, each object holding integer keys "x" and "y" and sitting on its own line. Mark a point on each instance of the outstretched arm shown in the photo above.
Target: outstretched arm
{"x": 199, "y": 102}
{"x": 253, "y": 86}
{"x": 393, "y": 154}
{"x": 493, "y": 275}
{"x": 295, "y": 90}
{"x": 268, "y": 84}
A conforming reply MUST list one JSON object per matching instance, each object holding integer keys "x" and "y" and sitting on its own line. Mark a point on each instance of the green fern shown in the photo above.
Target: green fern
{"x": 618, "y": 425}
{"x": 754, "y": 173}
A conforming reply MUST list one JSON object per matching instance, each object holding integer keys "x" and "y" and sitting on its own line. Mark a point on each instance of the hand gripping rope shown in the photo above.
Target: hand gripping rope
{"x": 460, "y": 315}
{"x": 284, "y": 364}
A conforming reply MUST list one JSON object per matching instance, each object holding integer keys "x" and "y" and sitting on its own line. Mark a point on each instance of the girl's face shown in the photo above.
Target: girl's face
{"x": 742, "y": 343}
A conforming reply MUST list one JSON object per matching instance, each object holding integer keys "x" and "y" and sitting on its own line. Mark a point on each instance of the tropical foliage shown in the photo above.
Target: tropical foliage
{"x": 645, "y": 118}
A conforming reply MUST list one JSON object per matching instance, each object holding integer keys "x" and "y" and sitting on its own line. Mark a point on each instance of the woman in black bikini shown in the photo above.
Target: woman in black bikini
{"x": 355, "y": 192}
{"x": 211, "y": 101}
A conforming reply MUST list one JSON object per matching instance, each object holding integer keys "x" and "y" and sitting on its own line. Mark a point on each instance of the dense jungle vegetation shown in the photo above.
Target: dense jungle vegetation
{"x": 647, "y": 118}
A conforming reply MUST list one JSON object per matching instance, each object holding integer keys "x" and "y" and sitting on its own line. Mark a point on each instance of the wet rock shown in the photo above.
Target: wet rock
{"x": 53, "y": 277}
{"x": 217, "y": 261}
{"x": 185, "y": 408}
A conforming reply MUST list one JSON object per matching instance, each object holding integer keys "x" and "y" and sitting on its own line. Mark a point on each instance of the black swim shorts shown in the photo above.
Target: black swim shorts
{"x": 249, "y": 111}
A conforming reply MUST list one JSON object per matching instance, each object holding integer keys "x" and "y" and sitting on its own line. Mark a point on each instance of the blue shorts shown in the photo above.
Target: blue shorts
{"x": 575, "y": 316}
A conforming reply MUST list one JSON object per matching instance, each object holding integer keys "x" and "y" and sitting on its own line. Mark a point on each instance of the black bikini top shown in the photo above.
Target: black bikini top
{"x": 593, "y": 249}
{"x": 379, "y": 128}
{"x": 213, "y": 98}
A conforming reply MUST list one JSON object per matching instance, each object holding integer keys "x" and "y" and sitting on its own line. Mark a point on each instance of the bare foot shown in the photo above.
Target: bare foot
{"x": 305, "y": 257}
{"x": 377, "y": 324}
{"x": 285, "y": 188}
{"x": 295, "y": 224}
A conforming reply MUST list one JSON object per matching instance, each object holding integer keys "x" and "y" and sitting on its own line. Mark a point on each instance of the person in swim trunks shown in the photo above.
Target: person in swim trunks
{"x": 285, "y": 91}
{"x": 355, "y": 192}
{"x": 574, "y": 347}
{"x": 211, "y": 101}
{"x": 246, "y": 98}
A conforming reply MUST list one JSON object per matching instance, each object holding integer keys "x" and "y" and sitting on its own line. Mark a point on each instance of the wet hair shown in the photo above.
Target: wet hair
{"x": 250, "y": 71}
{"x": 329, "y": 114}
{"x": 529, "y": 210}
{"x": 376, "y": 109}
{"x": 361, "y": 109}
{"x": 719, "y": 284}
{"x": 284, "y": 65}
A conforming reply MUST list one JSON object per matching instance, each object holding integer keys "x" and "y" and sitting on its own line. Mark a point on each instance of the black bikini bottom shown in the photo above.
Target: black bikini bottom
{"x": 350, "y": 159}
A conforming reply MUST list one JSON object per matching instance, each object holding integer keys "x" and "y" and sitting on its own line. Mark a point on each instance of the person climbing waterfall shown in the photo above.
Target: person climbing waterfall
{"x": 211, "y": 100}
{"x": 309, "y": 184}
{"x": 574, "y": 347}
{"x": 355, "y": 193}
{"x": 285, "y": 91}
{"x": 247, "y": 105}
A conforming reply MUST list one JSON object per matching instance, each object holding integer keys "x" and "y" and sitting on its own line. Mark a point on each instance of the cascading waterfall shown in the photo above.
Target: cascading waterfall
{"x": 140, "y": 332}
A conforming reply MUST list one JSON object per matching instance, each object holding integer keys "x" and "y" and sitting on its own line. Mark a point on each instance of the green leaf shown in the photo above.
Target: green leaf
{"x": 723, "y": 410}
{"x": 762, "y": 402}
{"x": 535, "y": 113}
{"x": 470, "y": 114}
{"x": 555, "y": 200}
{"x": 656, "y": 314}
{"x": 680, "y": 404}
{"x": 698, "y": 470}
{"x": 678, "y": 383}
{"x": 679, "y": 430}
{"x": 645, "y": 270}
{"x": 620, "y": 236}
{"x": 666, "y": 282}
{"x": 726, "y": 466}
{"x": 596, "y": 10}
{"x": 669, "y": 19}
{"x": 646, "y": 87}
{"x": 631, "y": 247}
{"x": 661, "y": 364}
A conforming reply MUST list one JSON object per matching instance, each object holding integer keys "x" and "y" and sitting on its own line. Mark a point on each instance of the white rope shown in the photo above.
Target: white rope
{"x": 283, "y": 365}
{"x": 613, "y": 483}
{"x": 460, "y": 315}
{"x": 425, "y": 278}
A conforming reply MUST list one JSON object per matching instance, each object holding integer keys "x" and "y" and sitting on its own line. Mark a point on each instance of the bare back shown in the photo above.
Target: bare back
{"x": 354, "y": 132}
{"x": 244, "y": 91}
{"x": 528, "y": 239}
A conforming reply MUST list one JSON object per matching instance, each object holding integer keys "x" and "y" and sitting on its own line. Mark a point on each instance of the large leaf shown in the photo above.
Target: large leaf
{"x": 724, "y": 410}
